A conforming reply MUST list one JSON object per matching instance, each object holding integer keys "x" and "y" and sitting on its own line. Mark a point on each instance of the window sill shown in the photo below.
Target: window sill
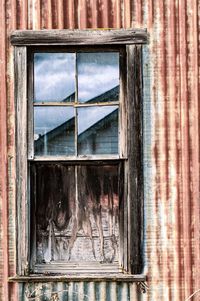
{"x": 77, "y": 277}
{"x": 78, "y": 158}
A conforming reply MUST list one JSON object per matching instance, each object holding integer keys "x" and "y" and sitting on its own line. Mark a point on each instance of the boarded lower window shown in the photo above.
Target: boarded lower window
{"x": 75, "y": 215}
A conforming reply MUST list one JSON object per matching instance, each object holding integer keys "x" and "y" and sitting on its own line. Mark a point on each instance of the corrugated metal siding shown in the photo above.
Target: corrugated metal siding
{"x": 171, "y": 157}
{"x": 74, "y": 291}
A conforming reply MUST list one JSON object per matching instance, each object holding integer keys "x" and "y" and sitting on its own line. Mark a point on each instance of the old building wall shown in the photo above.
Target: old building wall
{"x": 171, "y": 137}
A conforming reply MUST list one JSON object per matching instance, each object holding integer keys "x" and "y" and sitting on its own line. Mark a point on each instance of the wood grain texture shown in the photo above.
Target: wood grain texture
{"x": 21, "y": 158}
{"x": 79, "y": 37}
{"x": 134, "y": 164}
{"x": 118, "y": 277}
{"x": 75, "y": 235}
{"x": 30, "y": 106}
{"x": 131, "y": 189}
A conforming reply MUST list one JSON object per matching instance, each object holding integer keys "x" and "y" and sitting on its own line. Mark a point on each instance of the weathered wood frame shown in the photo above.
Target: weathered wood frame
{"x": 131, "y": 252}
{"x": 79, "y": 37}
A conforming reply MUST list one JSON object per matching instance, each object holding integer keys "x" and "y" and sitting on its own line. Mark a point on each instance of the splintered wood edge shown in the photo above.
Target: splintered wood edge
{"x": 79, "y": 37}
{"x": 68, "y": 278}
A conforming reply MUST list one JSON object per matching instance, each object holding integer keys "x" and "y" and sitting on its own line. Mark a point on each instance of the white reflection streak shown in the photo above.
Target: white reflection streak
{"x": 54, "y": 76}
{"x": 89, "y": 116}
{"x": 97, "y": 73}
{"x": 91, "y": 86}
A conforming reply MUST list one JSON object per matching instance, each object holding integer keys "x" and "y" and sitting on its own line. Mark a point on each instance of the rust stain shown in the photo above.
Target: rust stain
{"x": 172, "y": 233}
{"x": 3, "y": 161}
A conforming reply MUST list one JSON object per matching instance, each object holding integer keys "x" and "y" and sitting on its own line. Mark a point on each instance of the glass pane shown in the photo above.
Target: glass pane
{"x": 54, "y": 130}
{"x": 53, "y": 196}
{"x": 98, "y": 214}
{"x": 98, "y": 130}
{"x": 75, "y": 229}
{"x": 98, "y": 77}
{"x": 54, "y": 77}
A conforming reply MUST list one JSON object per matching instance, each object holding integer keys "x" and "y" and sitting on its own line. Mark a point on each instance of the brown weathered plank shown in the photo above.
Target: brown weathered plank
{"x": 79, "y": 37}
{"x": 122, "y": 206}
{"x": 123, "y": 107}
{"x": 78, "y": 158}
{"x": 30, "y": 106}
{"x": 135, "y": 171}
{"x": 21, "y": 158}
{"x": 69, "y": 104}
{"x": 118, "y": 277}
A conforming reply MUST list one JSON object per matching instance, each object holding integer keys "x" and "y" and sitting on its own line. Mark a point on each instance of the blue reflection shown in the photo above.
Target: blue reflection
{"x": 98, "y": 73}
{"x": 54, "y": 130}
{"x": 98, "y": 130}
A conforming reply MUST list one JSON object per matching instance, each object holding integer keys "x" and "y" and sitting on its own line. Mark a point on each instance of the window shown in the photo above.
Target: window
{"x": 79, "y": 153}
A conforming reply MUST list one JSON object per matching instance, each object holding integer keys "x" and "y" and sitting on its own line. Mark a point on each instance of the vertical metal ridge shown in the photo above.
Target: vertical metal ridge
{"x": 60, "y": 14}
{"x": 117, "y": 14}
{"x": 153, "y": 253}
{"x": 46, "y": 7}
{"x": 185, "y": 152}
{"x": 179, "y": 205}
{"x": 82, "y": 14}
{"x": 93, "y": 14}
{"x": 150, "y": 14}
{"x": 68, "y": 18}
{"x": 3, "y": 160}
{"x": 54, "y": 14}
{"x": 11, "y": 15}
{"x": 174, "y": 267}
{"x": 80, "y": 291}
{"x": 102, "y": 22}
{"x": 25, "y": 15}
{"x": 192, "y": 79}
{"x": 105, "y": 14}
{"x": 49, "y": 14}
{"x": 36, "y": 15}
{"x": 138, "y": 12}
{"x": 163, "y": 153}
{"x": 127, "y": 14}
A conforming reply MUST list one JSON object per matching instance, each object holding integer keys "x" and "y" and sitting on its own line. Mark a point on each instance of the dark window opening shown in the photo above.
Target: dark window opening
{"x": 75, "y": 213}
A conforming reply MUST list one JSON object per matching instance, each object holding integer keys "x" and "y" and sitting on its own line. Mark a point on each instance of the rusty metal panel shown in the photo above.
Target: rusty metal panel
{"x": 78, "y": 291}
{"x": 171, "y": 136}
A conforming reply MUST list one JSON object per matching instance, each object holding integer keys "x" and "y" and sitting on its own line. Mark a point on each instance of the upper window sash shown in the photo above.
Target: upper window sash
{"x": 120, "y": 104}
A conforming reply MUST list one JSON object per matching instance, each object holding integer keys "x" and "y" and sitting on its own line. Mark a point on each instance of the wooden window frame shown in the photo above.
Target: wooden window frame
{"x": 131, "y": 110}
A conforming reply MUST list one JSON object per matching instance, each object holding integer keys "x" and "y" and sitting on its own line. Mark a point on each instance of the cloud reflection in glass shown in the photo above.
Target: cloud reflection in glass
{"x": 54, "y": 77}
{"x": 98, "y": 73}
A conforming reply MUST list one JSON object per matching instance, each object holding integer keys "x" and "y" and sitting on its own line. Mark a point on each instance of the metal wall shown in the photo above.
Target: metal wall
{"x": 171, "y": 139}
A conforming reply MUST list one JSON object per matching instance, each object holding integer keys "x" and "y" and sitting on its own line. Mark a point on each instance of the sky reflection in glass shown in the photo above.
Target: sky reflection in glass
{"x": 54, "y": 130}
{"x": 54, "y": 77}
{"x": 98, "y": 72}
{"x": 98, "y": 130}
